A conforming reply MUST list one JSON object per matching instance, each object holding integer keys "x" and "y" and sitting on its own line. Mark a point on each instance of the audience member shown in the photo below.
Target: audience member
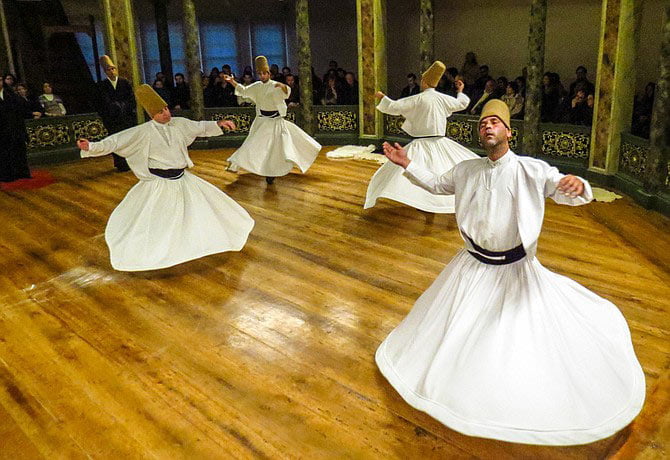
{"x": 350, "y": 89}
{"x": 294, "y": 98}
{"x": 31, "y": 106}
{"x": 412, "y": 87}
{"x": 470, "y": 71}
{"x": 581, "y": 110}
{"x": 181, "y": 95}
{"x": 483, "y": 78}
{"x": 10, "y": 80}
{"x": 642, "y": 109}
{"x": 50, "y": 102}
{"x": 13, "y": 136}
{"x": 514, "y": 100}
{"x": 225, "y": 92}
{"x": 159, "y": 87}
{"x": 581, "y": 81}
{"x": 551, "y": 97}
{"x": 487, "y": 94}
{"x": 332, "y": 94}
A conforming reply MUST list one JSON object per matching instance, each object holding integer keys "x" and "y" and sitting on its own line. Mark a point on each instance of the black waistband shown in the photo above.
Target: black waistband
{"x": 496, "y": 257}
{"x": 427, "y": 137}
{"x": 167, "y": 173}
{"x": 270, "y": 113}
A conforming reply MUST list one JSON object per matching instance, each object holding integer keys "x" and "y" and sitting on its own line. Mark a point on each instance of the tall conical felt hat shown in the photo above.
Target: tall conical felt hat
{"x": 496, "y": 108}
{"x": 106, "y": 61}
{"x": 150, "y": 100}
{"x": 433, "y": 74}
{"x": 261, "y": 64}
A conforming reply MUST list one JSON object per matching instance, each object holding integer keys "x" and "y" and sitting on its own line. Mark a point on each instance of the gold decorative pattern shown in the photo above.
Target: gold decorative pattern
{"x": 337, "y": 120}
{"x": 633, "y": 159}
{"x": 290, "y": 116}
{"x": 241, "y": 120}
{"x": 48, "y": 136}
{"x": 392, "y": 125}
{"x": 514, "y": 141}
{"x": 460, "y": 131}
{"x": 565, "y": 144}
{"x": 92, "y": 130}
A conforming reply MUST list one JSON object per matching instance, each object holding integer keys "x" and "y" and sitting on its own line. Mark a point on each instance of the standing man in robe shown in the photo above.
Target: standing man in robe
{"x": 13, "y": 136}
{"x": 498, "y": 346}
{"x": 274, "y": 144}
{"x": 170, "y": 216}
{"x": 425, "y": 116}
{"x": 116, "y": 105}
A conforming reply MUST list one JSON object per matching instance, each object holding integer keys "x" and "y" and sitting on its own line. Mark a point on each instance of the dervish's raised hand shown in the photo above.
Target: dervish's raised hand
{"x": 83, "y": 144}
{"x": 230, "y": 79}
{"x": 226, "y": 124}
{"x": 459, "y": 85}
{"x": 571, "y": 185}
{"x": 396, "y": 153}
{"x": 379, "y": 95}
{"x": 282, "y": 87}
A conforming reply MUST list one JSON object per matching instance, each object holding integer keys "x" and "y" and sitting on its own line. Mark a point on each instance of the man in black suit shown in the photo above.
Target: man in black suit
{"x": 13, "y": 137}
{"x": 116, "y": 105}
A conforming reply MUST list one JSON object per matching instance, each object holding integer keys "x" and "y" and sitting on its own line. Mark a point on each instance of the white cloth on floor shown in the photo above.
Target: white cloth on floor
{"x": 273, "y": 145}
{"x": 425, "y": 114}
{"x": 164, "y": 222}
{"x": 512, "y": 352}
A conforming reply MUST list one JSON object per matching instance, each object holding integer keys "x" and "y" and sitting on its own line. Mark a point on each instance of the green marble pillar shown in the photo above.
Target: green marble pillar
{"x": 371, "y": 21}
{"x": 163, "y": 36}
{"x": 615, "y": 82}
{"x": 6, "y": 58}
{"x": 658, "y": 160}
{"x": 426, "y": 34}
{"x": 120, "y": 41}
{"x": 304, "y": 65}
{"x": 193, "y": 63}
{"x": 532, "y": 136}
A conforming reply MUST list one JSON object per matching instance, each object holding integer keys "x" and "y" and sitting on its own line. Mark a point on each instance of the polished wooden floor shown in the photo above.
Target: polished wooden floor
{"x": 270, "y": 352}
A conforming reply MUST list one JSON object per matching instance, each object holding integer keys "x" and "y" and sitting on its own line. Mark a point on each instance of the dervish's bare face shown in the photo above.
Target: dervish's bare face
{"x": 493, "y": 132}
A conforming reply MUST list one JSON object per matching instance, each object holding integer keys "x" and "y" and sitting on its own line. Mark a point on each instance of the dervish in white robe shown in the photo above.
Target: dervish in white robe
{"x": 425, "y": 116}
{"x": 499, "y": 346}
{"x": 274, "y": 145}
{"x": 163, "y": 222}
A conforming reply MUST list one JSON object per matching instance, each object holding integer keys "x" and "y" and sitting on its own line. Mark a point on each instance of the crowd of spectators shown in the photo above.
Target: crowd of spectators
{"x": 340, "y": 87}
{"x": 572, "y": 106}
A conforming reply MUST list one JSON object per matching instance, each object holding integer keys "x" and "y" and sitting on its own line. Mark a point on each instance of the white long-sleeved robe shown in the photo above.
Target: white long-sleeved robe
{"x": 273, "y": 145}
{"x": 512, "y": 352}
{"x": 163, "y": 222}
{"x": 425, "y": 115}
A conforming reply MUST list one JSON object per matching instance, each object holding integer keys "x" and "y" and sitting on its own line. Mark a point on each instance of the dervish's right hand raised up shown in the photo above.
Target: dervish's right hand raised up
{"x": 397, "y": 154}
{"x": 83, "y": 144}
{"x": 459, "y": 85}
{"x": 379, "y": 95}
{"x": 230, "y": 79}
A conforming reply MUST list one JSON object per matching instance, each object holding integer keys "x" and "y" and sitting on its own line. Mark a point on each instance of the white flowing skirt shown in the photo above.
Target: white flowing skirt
{"x": 163, "y": 222}
{"x": 516, "y": 353}
{"x": 435, "y": 154}
{"x": 273, "y": 146}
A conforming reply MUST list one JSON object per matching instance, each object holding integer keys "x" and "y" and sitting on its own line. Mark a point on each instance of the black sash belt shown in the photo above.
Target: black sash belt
{"x": 270, "y": 113}
{"x": 426, "y": 137}
{"x": 496, "y": 257}
{"x": 167, "y": 173}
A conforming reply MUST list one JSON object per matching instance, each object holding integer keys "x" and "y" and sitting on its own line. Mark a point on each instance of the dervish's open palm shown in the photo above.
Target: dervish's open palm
{"x": 396, "y": 153}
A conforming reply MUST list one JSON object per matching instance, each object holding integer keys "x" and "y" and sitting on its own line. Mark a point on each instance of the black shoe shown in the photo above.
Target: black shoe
{"x": 269, "y": 180}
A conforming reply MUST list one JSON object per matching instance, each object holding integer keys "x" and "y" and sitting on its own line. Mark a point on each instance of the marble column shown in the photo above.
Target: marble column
{"x": 615, "y": 82}
{"x": 193, "y": 62}
{"x": 163, "y": 36}
{"x": 304, "y": 65}
{"x": 371, "y": 21}
{"x": 6, "y": 58}
{"x": 658, "y": 160}
{"x": 426, "y": 34}
{"x": 120, "y": 42}
{"x": 532, "y": 135}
